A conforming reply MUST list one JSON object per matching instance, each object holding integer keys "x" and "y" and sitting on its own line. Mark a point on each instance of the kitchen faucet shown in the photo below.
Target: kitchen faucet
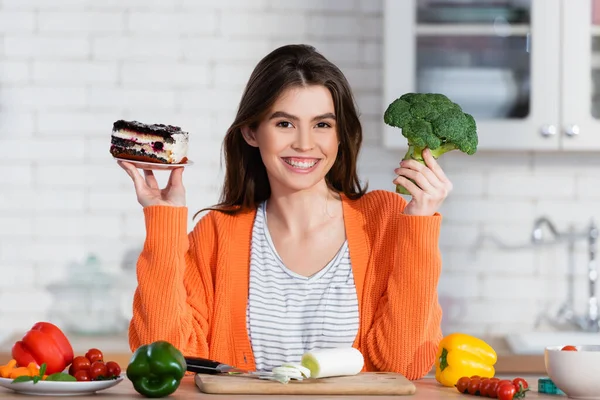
{"x": 566, "y": 313}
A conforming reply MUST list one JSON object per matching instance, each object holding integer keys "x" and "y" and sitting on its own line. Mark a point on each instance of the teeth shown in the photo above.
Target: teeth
{"x": 301, "y": 164}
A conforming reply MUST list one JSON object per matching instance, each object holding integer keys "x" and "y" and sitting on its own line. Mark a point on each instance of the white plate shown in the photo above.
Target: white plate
{"x": 157, "y": 166}
{"x": 57, "y": 388}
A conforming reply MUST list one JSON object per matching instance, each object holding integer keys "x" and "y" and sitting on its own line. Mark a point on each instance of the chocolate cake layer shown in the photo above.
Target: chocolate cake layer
{"x": 133, "y": 154}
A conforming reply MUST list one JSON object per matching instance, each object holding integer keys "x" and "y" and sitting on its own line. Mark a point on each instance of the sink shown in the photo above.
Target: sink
{"x": 535, "y": 342}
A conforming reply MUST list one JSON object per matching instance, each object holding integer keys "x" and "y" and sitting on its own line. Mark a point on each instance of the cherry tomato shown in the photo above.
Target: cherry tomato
{"x": 94, "y": 355}
{"x": 520, "y": 383}
{"x": 569, "y": 348}
{"x": 506, "y": 391}
{"x": 484, "y": 388}
{"x": 494, "y": 379}
{"x": 112, "y": 369}
{"x": 493, "y": 389}
{"x": 98, "y": 370}
{"x": 475, "y": 377}
{"x": 463, "y": 384}
{"x": 82, "y": 375}
{"x": 500, "y": 382}
{"x": 80, "y": 362}
{"x": 474, "y": 386}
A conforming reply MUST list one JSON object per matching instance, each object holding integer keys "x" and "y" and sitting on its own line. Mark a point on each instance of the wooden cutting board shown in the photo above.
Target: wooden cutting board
{"x": 366, "y": 383}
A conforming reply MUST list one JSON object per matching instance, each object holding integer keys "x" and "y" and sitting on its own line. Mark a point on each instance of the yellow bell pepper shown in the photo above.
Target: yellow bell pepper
{"x": 461, "y": 355}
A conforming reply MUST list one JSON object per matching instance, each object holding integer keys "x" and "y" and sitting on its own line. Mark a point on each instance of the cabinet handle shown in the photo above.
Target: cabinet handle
{"x": 548, "y": 130}
{"x": 572, "y": 130}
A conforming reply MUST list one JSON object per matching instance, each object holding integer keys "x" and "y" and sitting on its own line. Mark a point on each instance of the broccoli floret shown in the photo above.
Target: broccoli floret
{"x": 431, "y": 120}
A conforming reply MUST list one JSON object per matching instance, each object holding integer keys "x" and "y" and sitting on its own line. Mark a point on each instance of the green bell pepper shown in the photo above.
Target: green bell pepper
{"x": 156, "y": 369}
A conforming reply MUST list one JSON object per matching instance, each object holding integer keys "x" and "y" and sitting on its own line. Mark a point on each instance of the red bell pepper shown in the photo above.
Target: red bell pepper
{"x": 44, "y": 343}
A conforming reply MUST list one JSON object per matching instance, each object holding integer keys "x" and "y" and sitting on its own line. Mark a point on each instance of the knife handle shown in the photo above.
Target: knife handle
{"x": 202, "y": 365}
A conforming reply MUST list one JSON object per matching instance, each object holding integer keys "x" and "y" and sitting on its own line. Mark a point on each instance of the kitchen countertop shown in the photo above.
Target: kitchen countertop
{"x": 116, "y": 348}
{"x": 509, "y": 362}
{"x": 427, "y": 388}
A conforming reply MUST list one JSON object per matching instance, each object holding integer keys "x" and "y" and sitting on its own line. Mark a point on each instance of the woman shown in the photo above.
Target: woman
{"x": 296, "y": 256}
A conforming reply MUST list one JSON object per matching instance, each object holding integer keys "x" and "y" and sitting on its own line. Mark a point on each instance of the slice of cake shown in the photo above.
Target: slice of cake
{"x": 157, "y": 143}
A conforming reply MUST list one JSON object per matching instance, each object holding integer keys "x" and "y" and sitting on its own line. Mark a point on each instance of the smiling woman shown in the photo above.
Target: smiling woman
{"x": 296, "y": 256}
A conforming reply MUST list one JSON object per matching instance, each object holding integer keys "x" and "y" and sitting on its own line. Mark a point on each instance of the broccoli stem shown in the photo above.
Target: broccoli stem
{"x": 415, "y": 153}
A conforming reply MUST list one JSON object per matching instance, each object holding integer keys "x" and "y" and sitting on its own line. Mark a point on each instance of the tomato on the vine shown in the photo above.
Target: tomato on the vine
{"x": 474, "y": 386}
{"x": 520, "y": 383}
{"x": 506, "y": 391}
{"x": 493, "y": 389}
{"x": 502, "y": 381}
{"x": 488, "y": 388}
{"x": 463, "y": 384}
{"x": 502, "y": 389}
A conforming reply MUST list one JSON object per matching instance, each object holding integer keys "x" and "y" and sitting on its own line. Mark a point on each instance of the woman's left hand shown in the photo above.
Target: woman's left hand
{"x": 433, "y": 185}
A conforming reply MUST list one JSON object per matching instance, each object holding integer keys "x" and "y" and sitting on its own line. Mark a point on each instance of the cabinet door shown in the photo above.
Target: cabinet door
{"x": 498, "y": 60}
{"x": 580, "y": 61}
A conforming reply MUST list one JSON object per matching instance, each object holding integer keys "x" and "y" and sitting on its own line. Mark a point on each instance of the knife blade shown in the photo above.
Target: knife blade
{"x": 201, "y": 365}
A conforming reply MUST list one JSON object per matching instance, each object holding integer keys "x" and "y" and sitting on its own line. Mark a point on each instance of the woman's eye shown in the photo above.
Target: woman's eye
{"x": 323, "y": 125}
{"x": 284, "y": 124}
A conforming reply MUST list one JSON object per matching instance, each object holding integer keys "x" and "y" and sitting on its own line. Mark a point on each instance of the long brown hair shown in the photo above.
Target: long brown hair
{"x": 246, "y": 183}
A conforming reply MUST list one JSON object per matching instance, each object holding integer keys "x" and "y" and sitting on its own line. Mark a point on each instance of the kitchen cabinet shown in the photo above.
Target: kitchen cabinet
{"x": 528, "y": 70}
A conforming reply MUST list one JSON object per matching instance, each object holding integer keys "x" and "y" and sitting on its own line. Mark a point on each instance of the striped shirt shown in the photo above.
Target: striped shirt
{"x": 289, "y": 314}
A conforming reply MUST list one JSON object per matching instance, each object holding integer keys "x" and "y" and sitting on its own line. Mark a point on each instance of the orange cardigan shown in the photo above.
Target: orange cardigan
{"x": 193, "y": 289}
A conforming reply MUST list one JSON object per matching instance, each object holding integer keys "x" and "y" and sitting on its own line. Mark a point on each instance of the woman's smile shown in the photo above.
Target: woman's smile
{"x": 301, "y": 165}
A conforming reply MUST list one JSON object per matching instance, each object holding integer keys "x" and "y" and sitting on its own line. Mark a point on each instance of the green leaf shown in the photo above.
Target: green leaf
{"x": 22, "y": 378}
{"x": 36, "y": 379}
{"x": 61, "y": 376}
{"x": 42, "y": 369}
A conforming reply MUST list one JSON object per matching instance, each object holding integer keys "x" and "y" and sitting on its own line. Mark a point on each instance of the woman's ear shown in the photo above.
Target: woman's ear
{"x": 250, "y": 136}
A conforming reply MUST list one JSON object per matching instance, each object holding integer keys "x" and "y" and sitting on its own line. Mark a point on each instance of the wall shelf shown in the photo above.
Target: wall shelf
{"x": 474, "y": 30}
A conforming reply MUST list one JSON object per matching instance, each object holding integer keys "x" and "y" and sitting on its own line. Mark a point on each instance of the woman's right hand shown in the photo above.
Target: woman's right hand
{"x": 147, "y": 190}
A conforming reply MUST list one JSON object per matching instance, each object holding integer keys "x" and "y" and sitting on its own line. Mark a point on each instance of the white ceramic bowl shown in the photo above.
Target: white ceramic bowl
{"x": 577, "y": 373}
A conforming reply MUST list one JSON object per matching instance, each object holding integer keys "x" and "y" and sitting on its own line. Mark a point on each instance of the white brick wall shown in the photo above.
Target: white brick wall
{"x": 69, "y": 68}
